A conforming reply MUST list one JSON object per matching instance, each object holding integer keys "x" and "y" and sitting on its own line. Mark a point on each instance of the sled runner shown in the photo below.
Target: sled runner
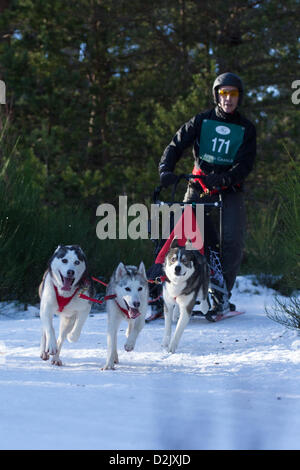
{"x": 218, "y": 318}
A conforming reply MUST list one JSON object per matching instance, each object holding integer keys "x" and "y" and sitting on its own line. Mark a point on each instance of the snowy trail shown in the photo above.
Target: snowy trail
{"x": 231, "y": 385}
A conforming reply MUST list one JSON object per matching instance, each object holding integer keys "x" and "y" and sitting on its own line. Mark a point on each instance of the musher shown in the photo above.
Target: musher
{"x": 224, "y": 150}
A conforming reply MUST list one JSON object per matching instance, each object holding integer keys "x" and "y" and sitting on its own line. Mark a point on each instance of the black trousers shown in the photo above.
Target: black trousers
{"x": 233, "y": 229}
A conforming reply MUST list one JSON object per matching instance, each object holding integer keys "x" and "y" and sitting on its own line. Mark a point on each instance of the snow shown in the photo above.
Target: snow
{"x": 230, "y": 385}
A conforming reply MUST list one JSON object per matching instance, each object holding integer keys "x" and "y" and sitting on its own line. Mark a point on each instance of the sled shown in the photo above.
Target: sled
{"x": 218, "y": 318}
{"x": 187, "y": 229}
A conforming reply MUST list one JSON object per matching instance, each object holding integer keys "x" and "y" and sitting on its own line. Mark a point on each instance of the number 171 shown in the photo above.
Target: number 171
{"x": 221, "y": 142}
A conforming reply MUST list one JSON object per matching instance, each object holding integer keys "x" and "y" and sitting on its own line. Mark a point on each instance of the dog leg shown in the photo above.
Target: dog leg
{"x": 43, "y": 354}
{"x": 48, "y": 343}
{"x": 133, "y": 332}
{"x": 176, "y": 313}
{"x": 65, "y": 326}
{"x": 204, "y": 304}
{"x": 129, "y": 329}
{"x": 182, "y": 323}
{"x": 79, "y": 322}
{"x": 168, "y": 312}
{"x": 114, "y": 320}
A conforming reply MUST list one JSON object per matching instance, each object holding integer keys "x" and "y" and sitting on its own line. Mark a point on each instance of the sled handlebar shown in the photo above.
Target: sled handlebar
{"x": 186, "y": 177}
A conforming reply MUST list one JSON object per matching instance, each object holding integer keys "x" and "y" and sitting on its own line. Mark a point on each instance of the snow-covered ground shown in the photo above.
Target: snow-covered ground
{"x": 231, "y": 385}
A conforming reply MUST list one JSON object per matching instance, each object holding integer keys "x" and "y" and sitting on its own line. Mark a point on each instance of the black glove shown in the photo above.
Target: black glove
{"x": 216, "y": 181}
{"x": 167, "y": 178}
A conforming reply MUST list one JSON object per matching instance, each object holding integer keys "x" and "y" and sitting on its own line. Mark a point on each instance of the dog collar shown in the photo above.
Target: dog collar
{"x": 123, "y": 309}
{"x": 63, "y": 301}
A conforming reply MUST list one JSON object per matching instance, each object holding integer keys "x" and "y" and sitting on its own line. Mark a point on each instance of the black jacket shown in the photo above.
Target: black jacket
{"x": 189, "y": 134}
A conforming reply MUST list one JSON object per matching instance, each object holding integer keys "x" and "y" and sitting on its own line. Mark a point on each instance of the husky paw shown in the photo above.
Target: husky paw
{"x": 52, "y": 348}
{"x": 73, "y": 337}
{"x": 56, "y": 362}
{"x": 44, "y": 355}
{"x": 172, "y": 348}
{"x": 108, "y": 367}
{"x": 128, "y": 347}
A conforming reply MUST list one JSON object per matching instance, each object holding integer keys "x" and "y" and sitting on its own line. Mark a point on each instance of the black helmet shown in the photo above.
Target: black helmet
{"x": 228, "y": 79}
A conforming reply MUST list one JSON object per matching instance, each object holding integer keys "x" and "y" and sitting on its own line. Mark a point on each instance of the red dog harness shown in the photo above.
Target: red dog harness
{"x": 107, "y": 297}
{"x": 62, "y": 301}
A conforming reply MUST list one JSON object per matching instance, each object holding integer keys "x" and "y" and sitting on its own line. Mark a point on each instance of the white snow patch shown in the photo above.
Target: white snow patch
{"x": 230, "y": 385}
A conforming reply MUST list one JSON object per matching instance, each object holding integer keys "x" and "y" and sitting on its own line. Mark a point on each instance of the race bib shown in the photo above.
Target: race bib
{"x": 220, "y": 142}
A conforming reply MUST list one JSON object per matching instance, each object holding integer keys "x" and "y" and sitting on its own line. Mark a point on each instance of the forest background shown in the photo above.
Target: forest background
{"x": 96, "y": 89}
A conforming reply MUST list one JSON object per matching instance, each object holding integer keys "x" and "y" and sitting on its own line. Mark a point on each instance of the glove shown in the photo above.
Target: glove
{"x": 167, "y": 178}
{"x": 215, "y": 181}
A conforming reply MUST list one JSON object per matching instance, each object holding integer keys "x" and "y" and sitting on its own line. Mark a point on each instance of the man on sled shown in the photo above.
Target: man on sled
{"x": 224, "y": 149}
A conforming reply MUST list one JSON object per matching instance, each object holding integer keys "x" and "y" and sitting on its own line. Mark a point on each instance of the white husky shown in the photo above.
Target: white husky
{"x": 65, "y": 277}
{"x": 129, "y": 286}
{"x": 187, "y": 279}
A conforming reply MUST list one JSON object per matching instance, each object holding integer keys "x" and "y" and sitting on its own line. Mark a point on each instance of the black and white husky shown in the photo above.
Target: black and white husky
{"x": 129, "y": 288}
{"x": 64, "y": 279}
{"x": 187, "y": 280}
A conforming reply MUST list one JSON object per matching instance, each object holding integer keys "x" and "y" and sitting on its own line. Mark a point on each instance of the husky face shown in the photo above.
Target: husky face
{"x": 131, "y": 288}
{"x": 179, "y": 264}
{"x": 67, "y": 266}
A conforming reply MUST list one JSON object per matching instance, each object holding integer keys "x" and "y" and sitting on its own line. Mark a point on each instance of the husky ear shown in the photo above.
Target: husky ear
{"x": 53, "y": 256}
{"x": 174, "y": 243}
{"x": 77, "y": 247}
{"x": 120, "y": 271}
{"x": 142, "y": 270}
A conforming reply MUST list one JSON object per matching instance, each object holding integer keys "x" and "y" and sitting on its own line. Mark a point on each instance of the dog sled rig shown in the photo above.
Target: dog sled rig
{"x": 155, "y": 273}
{"x": 213, "y": 254}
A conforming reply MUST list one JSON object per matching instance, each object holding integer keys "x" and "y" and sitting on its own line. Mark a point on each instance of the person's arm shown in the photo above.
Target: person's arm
{"x": 183, "y": 138}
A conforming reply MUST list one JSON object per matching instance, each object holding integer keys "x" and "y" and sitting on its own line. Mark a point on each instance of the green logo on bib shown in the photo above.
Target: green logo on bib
{"x": 220, "y": 142}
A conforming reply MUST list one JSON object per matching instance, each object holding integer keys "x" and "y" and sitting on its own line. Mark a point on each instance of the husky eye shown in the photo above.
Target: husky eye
{"x": 173, "y": 259}
{"x": 64, "y": 260}
{"x": 140, "y": 288}
{"x": 128, "y": 289}
{"x": 77, "y": 262}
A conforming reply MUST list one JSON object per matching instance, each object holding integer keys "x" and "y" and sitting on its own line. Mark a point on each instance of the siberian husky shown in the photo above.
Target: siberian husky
{"x": 65, "y": 277}
{"x": 187, "y": 279}
{"x": 129, "y": 287}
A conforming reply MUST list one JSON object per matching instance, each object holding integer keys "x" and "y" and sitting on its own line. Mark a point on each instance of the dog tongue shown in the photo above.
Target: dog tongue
{"x": 67, "y": 283}
{"x": 133, "y": 312}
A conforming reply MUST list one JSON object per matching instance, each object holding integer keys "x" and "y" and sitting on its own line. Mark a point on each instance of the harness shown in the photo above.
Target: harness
{"x": 107, "y": 297}
{"x": 62, "y": 301}
{"x": 157, "y": 280}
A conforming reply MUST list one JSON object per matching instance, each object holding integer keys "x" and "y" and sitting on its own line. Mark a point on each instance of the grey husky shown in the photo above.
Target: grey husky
{"x": 64, "y": 279}
{"x": 187, "y": 280}
{"x": 129, "y": 287}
